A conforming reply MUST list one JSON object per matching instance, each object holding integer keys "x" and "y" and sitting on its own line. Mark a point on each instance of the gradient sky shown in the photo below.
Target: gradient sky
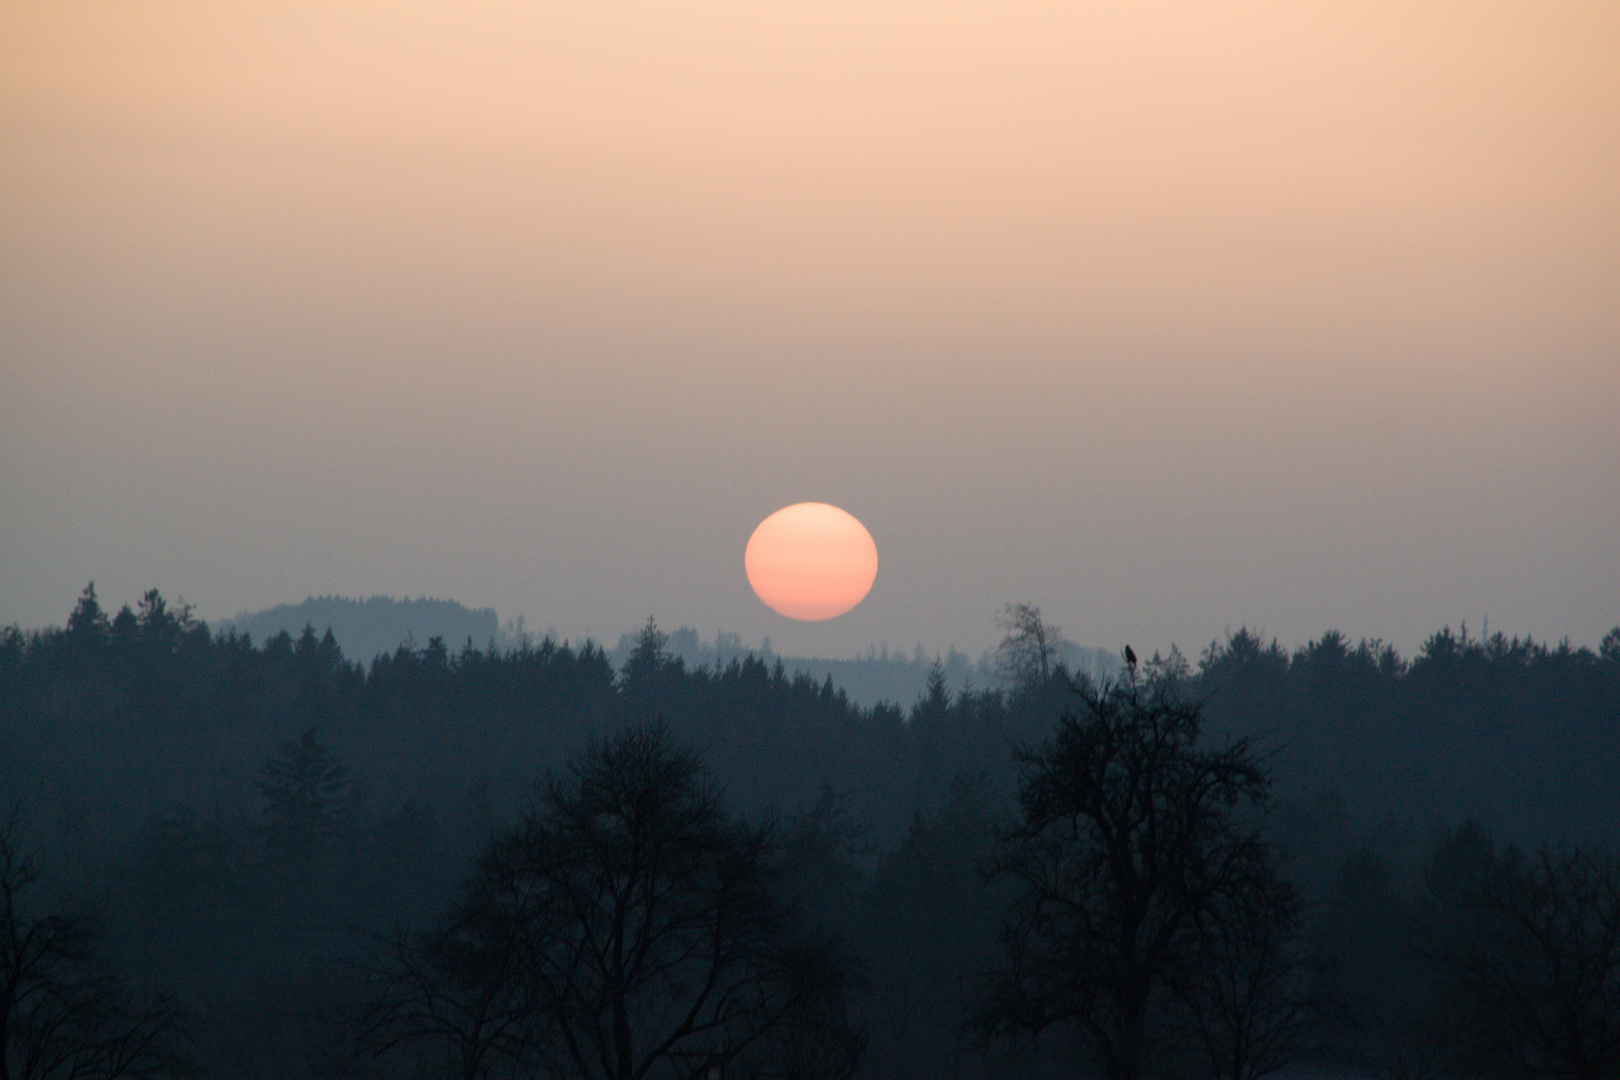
{"x": 1170, "y": 318}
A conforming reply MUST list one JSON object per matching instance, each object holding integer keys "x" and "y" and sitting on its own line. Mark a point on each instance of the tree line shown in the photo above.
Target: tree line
{"x": 526, "y": 862}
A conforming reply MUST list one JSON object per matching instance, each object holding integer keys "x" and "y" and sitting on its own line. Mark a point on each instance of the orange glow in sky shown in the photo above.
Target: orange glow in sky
{"x": 811, "y": 561}
{"x": 1171, "y": 317}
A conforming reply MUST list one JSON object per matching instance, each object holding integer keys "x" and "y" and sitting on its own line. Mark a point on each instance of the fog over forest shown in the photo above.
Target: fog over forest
{"x": 727, "y": 540}
{"x": 366, "y": 628}
{"x": 251, "y": 858}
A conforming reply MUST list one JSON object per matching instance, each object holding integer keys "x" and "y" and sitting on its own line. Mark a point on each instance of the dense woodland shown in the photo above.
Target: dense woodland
{"x": 260, "y": 859}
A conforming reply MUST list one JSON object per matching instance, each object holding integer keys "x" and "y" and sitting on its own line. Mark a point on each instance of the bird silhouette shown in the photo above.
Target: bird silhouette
{"x": 1130, "y": 656}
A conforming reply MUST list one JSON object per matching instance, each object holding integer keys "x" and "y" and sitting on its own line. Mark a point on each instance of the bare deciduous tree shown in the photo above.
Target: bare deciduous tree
{"x": 63, "y": 1014}
{"x": 1126, "y": 845}
{"x": 1529, "y": 951}
{"x": 449, "y": 1002}
{"x": 629, "y": 927}
{"x": 1028, "y": 645}
{"x": 1252, "y": 1002}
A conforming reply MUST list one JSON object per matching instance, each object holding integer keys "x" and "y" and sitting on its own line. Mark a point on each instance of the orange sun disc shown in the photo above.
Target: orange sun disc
{"x": 811, "y": 561}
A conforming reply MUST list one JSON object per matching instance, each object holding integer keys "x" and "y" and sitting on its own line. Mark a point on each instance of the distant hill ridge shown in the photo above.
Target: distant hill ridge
{"x": 378, "y": 624}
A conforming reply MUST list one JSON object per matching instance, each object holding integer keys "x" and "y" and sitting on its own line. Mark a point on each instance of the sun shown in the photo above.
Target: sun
{"x": 811, "y": 561}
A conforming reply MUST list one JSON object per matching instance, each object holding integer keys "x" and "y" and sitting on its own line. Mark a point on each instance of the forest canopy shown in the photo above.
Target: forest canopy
{"x": 246, "y": 812}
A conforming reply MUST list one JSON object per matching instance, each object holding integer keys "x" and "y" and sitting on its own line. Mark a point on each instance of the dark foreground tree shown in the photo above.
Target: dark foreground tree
{"x": 1529, "y": 953}
{"x": 63, "y": 1014}
{"x": 1126, "y": 850}
{"x": 629, "y": 927}
{"x": 1253, "y": 1002}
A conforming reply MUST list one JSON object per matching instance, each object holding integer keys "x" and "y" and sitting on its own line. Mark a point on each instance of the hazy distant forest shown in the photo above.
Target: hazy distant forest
{"x": 225, "y": 857}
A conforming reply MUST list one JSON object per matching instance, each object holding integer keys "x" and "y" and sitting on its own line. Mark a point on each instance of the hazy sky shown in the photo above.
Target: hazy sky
{"x": 1168, "y": 317}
